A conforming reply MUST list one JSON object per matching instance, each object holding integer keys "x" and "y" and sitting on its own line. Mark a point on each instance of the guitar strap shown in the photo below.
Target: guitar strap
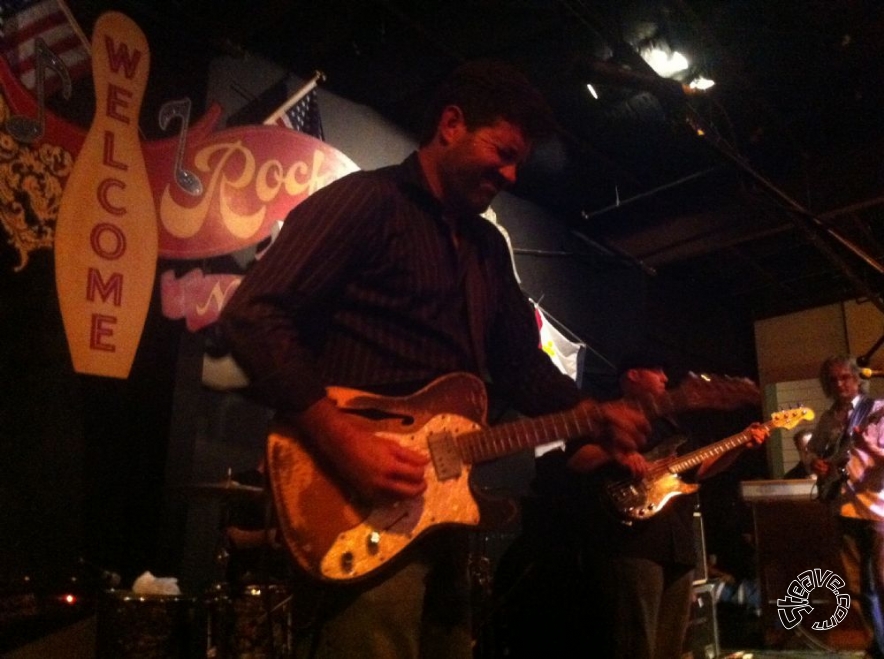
{"x": 857, "y": 416}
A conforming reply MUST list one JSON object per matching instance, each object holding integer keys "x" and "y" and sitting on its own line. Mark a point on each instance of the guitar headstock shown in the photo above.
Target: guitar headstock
{"x": 714, "y": 392}
{"x": 788, "y": 419}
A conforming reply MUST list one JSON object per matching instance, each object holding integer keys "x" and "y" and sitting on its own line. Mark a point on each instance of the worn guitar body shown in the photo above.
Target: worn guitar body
{"x": 330, "y": 533}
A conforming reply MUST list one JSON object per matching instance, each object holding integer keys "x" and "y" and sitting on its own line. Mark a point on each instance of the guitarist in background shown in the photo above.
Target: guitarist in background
{"x": 848, "y": 450}
{"x": 639, "y": 574}
{"x": 385, "y": 281}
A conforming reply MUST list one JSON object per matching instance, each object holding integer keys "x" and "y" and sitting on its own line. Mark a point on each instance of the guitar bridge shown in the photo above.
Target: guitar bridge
{"x": 445, "y": 456}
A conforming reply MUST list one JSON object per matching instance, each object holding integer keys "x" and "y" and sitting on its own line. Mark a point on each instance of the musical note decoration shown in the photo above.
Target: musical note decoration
{"x": 28, "y": 129}
{"x": 180, "y": 109}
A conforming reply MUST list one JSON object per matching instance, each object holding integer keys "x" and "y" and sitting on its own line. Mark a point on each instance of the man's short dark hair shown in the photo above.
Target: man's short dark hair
{"x": 488, "y": 90}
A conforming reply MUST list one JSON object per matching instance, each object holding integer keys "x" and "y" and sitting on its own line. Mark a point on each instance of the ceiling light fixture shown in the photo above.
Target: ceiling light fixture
{"x": 701, "y": 84}
{"x": 664, "y": 63}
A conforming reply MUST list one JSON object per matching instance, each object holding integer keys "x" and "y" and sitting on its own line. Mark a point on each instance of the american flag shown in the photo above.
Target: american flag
{"x": 22, "y": 21}
{"x": 304, "y": 116}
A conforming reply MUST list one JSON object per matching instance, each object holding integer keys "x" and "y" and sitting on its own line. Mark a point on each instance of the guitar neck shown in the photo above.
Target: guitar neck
{"x": 696, "y": 458}
{"x": 509, "y": 438}
{"x": 512, "y": 437}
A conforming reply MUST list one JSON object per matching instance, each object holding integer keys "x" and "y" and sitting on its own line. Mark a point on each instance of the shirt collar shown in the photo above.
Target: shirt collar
{"x": 413, "y": 182}
{"x": 411, "y": 178}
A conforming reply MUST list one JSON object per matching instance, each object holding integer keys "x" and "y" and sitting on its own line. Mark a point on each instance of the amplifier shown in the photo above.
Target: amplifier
{"x": 802, "y": 489}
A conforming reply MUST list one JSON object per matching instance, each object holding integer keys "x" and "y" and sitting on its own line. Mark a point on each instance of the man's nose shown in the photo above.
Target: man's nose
{"x": 508, "y": 172}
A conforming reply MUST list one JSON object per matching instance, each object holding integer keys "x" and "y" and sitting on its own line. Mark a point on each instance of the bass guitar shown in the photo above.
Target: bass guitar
{"x": 335, "y": 536}
{"x": 641, "y": 498}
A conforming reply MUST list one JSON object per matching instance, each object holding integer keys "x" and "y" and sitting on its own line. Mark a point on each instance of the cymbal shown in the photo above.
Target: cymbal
{"x": 227, "y": 488}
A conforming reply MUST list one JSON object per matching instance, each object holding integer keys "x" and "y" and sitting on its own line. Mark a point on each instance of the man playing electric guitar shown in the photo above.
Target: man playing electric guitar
{"x": 385, "y": 281}
{"x": 641, "y": 572}
{"x": 852, "y": 482}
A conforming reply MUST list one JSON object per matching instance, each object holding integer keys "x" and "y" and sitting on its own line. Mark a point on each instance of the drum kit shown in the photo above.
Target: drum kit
{"x": 228, "y": 621}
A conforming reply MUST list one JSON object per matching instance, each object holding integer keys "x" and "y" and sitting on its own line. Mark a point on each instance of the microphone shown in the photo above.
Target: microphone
{"x": 869, "y": 373}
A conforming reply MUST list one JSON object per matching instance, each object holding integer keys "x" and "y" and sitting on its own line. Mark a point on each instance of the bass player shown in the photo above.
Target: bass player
{"x": 640, "y": 572}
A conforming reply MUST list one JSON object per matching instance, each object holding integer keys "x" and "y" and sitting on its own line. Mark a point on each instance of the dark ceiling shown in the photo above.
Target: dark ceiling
{"x": 776, "y": 205}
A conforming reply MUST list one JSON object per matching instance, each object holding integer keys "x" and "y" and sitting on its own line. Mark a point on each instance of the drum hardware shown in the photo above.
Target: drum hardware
{"x": 136, "y": 626}
{"x": 246, "y": 617}
{"x": 248, "y": 614}
{"x": 227, "y": 489}
{"x": 256, "y": 623}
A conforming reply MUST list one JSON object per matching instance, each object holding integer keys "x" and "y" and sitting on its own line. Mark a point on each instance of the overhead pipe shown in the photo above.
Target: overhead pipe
{"x": 800, "y": 216}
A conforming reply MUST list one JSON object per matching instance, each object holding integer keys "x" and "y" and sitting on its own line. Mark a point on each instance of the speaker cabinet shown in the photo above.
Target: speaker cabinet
{"x": 792, "y": 536}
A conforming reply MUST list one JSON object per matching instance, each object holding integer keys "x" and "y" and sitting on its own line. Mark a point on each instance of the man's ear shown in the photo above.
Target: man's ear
{"x": 631, "y": 374}
{"x": 451, "y": 124}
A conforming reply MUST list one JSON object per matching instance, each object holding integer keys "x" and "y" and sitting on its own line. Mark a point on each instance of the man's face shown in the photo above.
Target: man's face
{"x": 843, "y": 383}
{"x": 480, "y": 163}
{"x": 650, "y": 381}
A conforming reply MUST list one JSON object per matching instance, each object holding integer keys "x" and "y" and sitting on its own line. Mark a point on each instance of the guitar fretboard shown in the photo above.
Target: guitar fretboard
{"x": 694, "y": 459}
{"x": 697, "y": 457}
{"x": 515, "y": 436}
{"x": 508, "y": 438}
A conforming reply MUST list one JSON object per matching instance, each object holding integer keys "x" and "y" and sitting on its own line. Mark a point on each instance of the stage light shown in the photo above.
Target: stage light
{"x": 666, "y": 64}
{"x": 701, "y": 84}
{"x": 592, "y": 91}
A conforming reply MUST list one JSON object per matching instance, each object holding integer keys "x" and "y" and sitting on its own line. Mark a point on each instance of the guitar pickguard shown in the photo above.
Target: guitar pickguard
{"x": 637, "y": 500}
{"x": 387, "y": 530}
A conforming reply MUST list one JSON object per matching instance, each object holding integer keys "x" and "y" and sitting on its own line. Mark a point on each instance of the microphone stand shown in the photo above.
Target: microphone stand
{"x": 866, "y": 358}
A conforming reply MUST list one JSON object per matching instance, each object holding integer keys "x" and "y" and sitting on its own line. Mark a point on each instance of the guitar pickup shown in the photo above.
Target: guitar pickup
{"x": 445, "y": 456}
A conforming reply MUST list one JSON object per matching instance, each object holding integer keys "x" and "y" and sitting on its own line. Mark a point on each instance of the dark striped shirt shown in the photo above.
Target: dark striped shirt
{"x": 365, "y": 288}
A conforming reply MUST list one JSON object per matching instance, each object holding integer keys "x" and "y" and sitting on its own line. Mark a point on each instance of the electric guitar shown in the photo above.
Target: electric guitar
{"x": 828, "y": 487}
{"x": 335, "y": 536}
{"x": 642, "y": 498}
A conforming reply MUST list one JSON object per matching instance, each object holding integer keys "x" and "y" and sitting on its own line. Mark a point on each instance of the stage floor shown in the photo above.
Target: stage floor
{"x": 739, "y": 636}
